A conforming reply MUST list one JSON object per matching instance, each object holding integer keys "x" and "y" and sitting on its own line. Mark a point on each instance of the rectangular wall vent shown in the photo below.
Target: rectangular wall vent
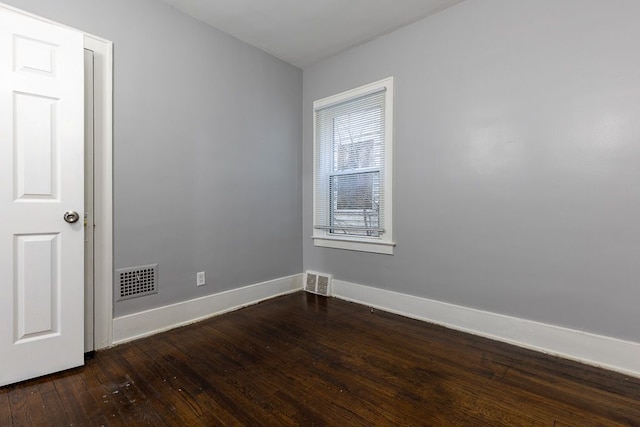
{"x": 134, "y": 282}
{"x": 317, "y": 283}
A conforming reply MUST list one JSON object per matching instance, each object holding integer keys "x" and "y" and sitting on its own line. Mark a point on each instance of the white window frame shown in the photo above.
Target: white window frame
{"x": 385, "y": 243}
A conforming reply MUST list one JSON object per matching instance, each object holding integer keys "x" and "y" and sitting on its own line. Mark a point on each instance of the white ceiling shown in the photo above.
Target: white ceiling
{"x": 303, "y": 32}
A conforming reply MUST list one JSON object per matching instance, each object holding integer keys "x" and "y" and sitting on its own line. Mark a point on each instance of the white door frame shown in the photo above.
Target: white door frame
{"x": 103, "y": 184}
{"x": 89, "y": 298}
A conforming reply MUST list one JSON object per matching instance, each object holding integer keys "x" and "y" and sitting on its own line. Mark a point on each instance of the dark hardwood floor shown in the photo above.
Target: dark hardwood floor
{"x": 312, "y": 361}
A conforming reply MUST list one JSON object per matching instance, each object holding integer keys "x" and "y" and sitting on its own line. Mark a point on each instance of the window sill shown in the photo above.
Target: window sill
{"x": 378, "y": 247}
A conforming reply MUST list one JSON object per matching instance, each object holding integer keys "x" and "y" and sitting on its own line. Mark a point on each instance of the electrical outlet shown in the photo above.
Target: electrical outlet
{"x": 200, "y": 280}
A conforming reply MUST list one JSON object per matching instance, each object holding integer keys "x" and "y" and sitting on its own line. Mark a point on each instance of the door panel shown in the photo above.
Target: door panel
{"x": 35, "y": 56}
{"x": 36, "y": 307}
{"x": 41, "y": 177}
{"x": 34, "y": 143}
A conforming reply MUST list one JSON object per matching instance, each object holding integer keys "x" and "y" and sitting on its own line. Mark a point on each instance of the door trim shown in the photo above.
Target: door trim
{"x": 103, "y": 188}
{"x": 103, "y": 196}
{"x": 89, "y": 297}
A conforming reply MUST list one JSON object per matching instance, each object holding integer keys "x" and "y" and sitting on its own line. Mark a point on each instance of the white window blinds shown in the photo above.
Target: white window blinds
{"x": 350, "y": 166}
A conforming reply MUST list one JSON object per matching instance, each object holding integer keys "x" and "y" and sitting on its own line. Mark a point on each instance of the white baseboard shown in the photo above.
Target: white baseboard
{"x": 145, "y": 323}
{"x": 598, "y": 350}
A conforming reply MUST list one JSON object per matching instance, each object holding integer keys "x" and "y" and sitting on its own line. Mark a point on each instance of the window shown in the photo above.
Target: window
{"x": 352, "y": 198}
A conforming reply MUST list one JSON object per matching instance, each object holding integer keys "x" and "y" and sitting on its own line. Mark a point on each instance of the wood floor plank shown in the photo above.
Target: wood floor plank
{"x": 18, "y": 406}
{"x": 308, "y": 360}
{"x": 35, "y": 406}
{"x": 5, "y": 408}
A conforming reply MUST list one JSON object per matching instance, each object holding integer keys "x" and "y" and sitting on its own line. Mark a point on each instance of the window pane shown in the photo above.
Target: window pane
{"x": 358, "y": 139}
{"x": 355, "y": 203}
{"x": 354, "y": 155}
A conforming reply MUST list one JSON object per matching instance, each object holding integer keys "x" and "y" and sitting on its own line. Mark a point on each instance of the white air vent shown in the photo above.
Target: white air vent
{"x": 134, "y": 282}
{"x": 317, "y": 283}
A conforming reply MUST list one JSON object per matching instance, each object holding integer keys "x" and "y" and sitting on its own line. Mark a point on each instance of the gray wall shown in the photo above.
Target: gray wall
{"x": 517, "y": 160}
{"x": 206, "y": 149}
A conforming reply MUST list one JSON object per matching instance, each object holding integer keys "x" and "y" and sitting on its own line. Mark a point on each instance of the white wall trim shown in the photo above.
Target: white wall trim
{"x": 145, "y": 323}
{"x": 597, "y": 350}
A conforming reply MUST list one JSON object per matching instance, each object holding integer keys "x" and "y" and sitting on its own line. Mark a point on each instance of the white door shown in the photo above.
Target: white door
{"x": 41, "y": 178}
